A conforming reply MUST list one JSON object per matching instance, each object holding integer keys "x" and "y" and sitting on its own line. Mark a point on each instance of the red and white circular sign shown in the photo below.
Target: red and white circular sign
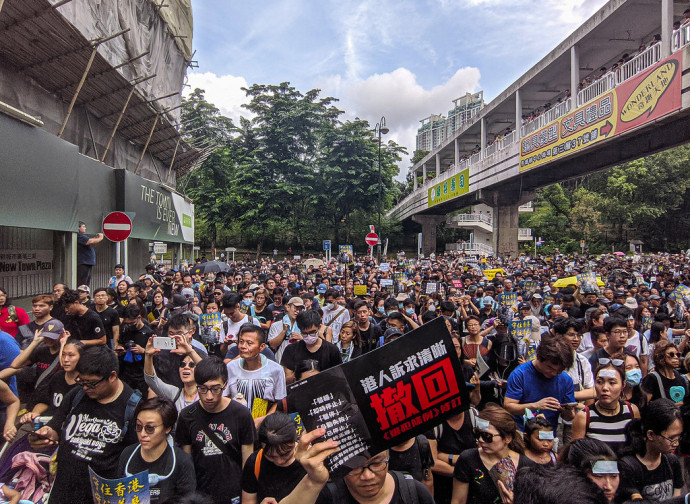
{"x": 372, "y": 239}
{"x": 117, "y": 226}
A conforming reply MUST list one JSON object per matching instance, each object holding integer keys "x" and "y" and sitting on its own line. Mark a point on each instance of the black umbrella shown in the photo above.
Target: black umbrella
{"x": 210, "y": 267}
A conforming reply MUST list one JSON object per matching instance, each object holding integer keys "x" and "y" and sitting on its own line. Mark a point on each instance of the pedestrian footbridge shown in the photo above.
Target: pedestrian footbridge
{"x": 617, "y": 89}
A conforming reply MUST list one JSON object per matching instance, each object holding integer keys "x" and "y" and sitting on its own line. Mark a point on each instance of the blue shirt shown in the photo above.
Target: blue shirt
{"x": 9, "y": 349}
{"x": 85, "y": 253}
{"x": 527, "y": 385}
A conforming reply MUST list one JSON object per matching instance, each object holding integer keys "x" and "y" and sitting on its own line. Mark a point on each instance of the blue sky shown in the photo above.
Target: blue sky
{"x": 402, "y": 59}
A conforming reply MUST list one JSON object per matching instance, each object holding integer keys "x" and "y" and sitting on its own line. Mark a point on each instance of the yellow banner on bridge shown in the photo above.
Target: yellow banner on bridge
{"x": 635, "y": 102}
{"x": 453, "y": 187}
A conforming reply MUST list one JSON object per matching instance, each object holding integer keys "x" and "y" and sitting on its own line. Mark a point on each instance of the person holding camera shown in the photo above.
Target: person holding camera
{"x": 133, "y": 339}
{"x": 181, "y": 397}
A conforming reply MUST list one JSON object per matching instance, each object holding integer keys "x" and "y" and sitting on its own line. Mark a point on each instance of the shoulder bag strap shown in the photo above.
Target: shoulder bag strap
{"x": 662, "y": 392}
{"x": 257, "y": 464}
{"x": 227, "y": 449}
{"x": 50, "y": 369}
{"x": 336, "y": 316}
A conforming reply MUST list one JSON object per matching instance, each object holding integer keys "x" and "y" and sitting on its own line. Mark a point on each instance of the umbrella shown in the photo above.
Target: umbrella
{"x": 619, "y": 253}
{"x": 564, "y": 282}
{"x": 210, "y": 267}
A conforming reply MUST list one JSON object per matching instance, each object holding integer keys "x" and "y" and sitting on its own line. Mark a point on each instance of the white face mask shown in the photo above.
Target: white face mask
{"x": 310, "y": 339}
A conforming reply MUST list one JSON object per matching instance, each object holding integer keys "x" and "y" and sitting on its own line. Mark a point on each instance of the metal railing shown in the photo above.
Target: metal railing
{"x": 471, "y": 248}
{"x": 597, "y": 88}
{"x": 472, "y": 217}
{"x": 636, "y": 65}
{"x": 524, "y": 233}
{"x": 681, "y": 37}
{"x": 550, "y": 115}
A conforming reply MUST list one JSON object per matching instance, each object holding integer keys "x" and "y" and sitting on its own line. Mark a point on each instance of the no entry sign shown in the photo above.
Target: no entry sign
{"x": 117, "y": 226}
{"x": 372, "y": 239}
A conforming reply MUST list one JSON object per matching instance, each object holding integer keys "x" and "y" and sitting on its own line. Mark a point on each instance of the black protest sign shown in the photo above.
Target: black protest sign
{"x": 384, "y": 397}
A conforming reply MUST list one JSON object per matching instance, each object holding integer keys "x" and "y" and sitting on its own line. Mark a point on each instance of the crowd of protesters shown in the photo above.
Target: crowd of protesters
{"x": 187, "y": 374}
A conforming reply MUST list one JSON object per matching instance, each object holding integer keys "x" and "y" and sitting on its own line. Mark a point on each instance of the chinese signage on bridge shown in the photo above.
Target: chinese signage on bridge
{"x": 640, "y": 100}
{"x": 453, "y": 187}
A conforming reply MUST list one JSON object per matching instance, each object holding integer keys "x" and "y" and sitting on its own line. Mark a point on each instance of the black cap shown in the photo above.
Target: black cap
{"x": 524, "y": 306}
{"x": 150, "y": 267}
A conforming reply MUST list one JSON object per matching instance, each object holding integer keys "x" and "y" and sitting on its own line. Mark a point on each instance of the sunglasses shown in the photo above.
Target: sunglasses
{"x": 149, "y": 429}
{"x": 487, "y": 437}
{"x": 616, "y": 362}
{"x": 673, "y": 355}
{"x": 190, "y": 365}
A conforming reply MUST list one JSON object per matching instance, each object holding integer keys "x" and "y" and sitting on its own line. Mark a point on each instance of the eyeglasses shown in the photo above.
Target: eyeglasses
{"x": 215, "y": 390}
{"x": 378, "y": 466}
{"x": 673, "y": 442}
{"x": 88, "y": 384}
{"x": 619, "y": 332}
{"x": 487, "y": 437}
{"x": 149, "y": 429}
{"x": 173, "y": 334}
{"x": 311, "y": 334}
{"x": 190, "y": 365}
{"x": 217, "y": 293}
{"x": 616, "y": 362}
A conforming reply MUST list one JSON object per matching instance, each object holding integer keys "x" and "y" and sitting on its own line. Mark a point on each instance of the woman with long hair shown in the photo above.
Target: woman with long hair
{"x": 350, "y": 342}
{"x": 122, "y": 299}
{"x": 649, "y": 469}
{"x": 605, "y": 420}
{"x": 597, "y": 461}
{"x": 154, "y": 315}
{"x": 11, "y": 317}
{"x": 48, "y": 398}
{"x": 171, "y": 470}
{"x": 487, "y": 473}
{"x": 657, "y": 332}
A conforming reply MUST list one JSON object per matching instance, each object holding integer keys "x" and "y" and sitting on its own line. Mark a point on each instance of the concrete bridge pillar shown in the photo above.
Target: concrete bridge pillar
{"x": 506, "y": 223}
{"x": 414, "y": 179}
{"x": 438, "y": 165}
{"x": 429, "y": 223}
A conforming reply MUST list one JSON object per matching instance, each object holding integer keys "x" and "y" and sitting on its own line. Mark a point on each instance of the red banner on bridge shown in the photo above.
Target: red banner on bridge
{"x": 648, "y": 96}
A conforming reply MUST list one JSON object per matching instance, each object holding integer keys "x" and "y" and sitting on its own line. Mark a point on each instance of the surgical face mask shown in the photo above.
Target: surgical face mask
{"x": 330, "y": 306}
{"x": 247, "y": 302}
{"x": 633, "y": 377}
{"x": 310, "y": 339}
{"x": 389, "y": 313}
{"x": 409, "y": 312}
{"x": 382, "y": 310}
{"x": 400, "y": 305}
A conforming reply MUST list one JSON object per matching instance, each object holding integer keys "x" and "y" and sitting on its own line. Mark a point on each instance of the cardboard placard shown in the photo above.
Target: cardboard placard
{"x": 458, "y": 284}
{"x": 129, "y": 490}
{"x": 360, "y": 290}
{"x": 529, "y": 285}
{"x": 508, "y": 299}
{"x": 384, "y": 397}
{"x": 431, "y": 287}
{"x": 384, "y": 266}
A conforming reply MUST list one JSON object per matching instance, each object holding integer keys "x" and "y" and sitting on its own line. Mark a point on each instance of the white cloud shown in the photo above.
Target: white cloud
{"x": 401, "y": 99}
{"x": 224, "y": 91}
{"x": 396, "y": 95}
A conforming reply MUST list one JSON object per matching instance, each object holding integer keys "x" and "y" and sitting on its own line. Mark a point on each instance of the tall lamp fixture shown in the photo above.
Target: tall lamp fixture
{"x": 380, "y": 129}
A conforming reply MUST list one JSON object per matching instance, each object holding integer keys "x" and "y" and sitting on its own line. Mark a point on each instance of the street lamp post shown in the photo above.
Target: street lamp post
{"x": 379, "y": 130}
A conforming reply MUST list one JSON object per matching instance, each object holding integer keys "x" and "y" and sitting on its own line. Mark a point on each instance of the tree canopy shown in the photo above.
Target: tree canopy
{"x": 293, "y": 174}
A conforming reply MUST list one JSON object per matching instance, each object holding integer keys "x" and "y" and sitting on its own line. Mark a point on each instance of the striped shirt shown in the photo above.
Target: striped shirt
{"x": 609, "y": 429}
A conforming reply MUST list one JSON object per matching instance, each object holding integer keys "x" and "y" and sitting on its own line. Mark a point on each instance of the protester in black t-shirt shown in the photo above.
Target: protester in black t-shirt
{"x": 47, "y": 398}
{"x": 91, "y": 427}
{"x": 109, "y": 317}
{"x": 83, "y": 324}
{"x": 42, "y": 353}
{"x": 135, "y": 335}
{"x": 273, "y": 471}
{"x": 311, "y": 346}
{"x": 155, "y": 418}
{"x": 218, "y": 432}
{"x": 369, "y": 332}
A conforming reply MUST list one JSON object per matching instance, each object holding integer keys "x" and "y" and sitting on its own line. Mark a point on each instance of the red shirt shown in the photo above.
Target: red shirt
{"x": 10, "y": 326}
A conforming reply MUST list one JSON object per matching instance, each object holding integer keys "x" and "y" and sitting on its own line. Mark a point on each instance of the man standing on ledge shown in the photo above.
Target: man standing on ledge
{"x": 86, "y": 255}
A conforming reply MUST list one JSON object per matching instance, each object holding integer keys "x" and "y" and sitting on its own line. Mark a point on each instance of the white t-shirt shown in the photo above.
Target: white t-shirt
{"x": 637, "y": 345}
{"x": 267, "y": 382}
{"x": 342, "y": 316}
{"x": 233, "y": 328}
{"x": 275, "y": 329}
{"x": 581, "y": 372}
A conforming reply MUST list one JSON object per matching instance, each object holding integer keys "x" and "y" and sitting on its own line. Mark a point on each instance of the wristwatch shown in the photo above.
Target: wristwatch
{"x": 450, "y": 459}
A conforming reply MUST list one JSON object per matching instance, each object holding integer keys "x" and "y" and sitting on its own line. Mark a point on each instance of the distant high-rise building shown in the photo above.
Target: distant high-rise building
{"x": 436, "y": 128}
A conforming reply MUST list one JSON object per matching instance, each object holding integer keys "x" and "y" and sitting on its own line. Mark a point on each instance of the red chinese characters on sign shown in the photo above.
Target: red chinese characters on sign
{"x": 430, "y": 387}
